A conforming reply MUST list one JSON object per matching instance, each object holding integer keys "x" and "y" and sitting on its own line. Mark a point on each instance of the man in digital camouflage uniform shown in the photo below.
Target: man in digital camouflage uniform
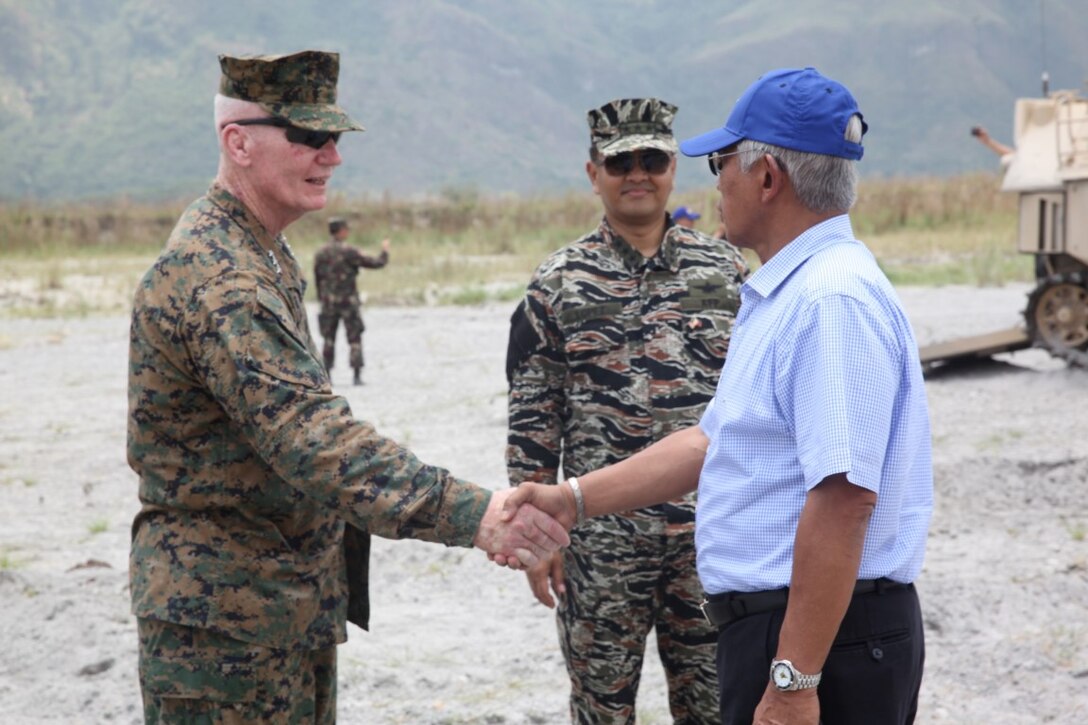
{"x": 259, "y": 489}
{"x": 619, "y": 342}
{"x": 336, "y": 266}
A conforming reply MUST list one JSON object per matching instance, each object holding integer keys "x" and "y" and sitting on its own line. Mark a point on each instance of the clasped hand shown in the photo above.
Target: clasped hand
{"x": 535, "y": 519}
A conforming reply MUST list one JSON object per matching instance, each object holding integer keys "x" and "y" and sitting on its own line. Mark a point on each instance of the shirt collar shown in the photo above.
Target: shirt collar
{"x": 274, "y": 248}
{"x": 238, "y": 211}
{"x": 667, "y": 256}
{"x": 836, "y": 230}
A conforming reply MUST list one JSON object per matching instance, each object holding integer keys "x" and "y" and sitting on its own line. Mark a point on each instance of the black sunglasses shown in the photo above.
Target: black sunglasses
{"x": 652, "y": 161}
{"x": 313, "y": 139}
{"x": 717, "y": 159}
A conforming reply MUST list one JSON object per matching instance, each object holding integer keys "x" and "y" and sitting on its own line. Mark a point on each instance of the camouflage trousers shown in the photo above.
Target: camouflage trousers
{"x": 194, "y": 676}
{"x": 620, "y": 585}
{"x": 327, "y": 322}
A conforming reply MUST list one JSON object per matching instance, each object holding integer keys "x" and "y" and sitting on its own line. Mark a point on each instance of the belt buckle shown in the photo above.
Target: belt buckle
{"x": 702, "y": 608}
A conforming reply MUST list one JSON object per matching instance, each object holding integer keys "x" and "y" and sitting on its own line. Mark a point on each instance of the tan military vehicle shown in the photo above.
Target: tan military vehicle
{"x": 1049, "y": 171}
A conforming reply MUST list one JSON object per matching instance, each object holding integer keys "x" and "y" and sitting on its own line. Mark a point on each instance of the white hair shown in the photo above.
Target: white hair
{"x": 823, "y": 183}
{"x": 232, "y": 109}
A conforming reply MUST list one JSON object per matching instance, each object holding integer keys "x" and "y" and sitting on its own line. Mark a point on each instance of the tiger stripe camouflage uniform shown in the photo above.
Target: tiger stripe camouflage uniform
{"x": 336, "y": 266}
{"x": 258, "y": 488}
{"x": 609, "y": 352}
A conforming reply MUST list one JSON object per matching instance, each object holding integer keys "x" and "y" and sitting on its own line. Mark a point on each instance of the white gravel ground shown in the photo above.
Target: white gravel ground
{"x": 456, "y": 640}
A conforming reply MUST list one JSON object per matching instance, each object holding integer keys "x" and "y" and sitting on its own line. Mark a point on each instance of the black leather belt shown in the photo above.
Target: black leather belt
{"x": 721, "y": 609}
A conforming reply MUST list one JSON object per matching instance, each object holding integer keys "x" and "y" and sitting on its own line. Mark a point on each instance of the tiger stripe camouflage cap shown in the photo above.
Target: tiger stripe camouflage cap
{"x": 627, "y": 124}
{"x": 300, "y": 87}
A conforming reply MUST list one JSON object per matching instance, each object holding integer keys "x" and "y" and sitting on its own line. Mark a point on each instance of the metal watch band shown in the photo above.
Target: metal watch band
{"x": 797, "y": 680}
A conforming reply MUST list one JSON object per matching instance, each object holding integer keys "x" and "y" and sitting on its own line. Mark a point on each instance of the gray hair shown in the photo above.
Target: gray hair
{"x": 823, "y": 183}
{"x": 231, "y": 109}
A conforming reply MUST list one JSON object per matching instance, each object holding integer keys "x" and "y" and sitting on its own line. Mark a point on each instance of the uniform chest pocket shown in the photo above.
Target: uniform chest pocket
{"x": 709, "y": 308}
{"x": 279, "y": 348}
{"x": 593, "y": 333}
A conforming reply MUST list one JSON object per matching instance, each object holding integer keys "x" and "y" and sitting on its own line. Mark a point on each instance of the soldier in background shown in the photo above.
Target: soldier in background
{"x": 335, "y": 269}
{"x": 258, "y": 488}
{"x": 685, "y": 217}
{"x": 618, "y": 343}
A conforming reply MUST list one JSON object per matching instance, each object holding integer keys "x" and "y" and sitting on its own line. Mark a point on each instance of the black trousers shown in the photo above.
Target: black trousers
{"x": 872, "y": 674}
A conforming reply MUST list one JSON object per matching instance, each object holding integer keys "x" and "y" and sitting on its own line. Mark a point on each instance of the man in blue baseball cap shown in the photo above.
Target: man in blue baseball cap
{"x": 812, "y": 461}
{"x": 685, "y": 217}
{"x": 816, "y": 490}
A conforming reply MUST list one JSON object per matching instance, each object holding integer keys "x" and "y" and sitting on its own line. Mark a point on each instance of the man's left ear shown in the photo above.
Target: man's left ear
{"x": 773, "y": 177}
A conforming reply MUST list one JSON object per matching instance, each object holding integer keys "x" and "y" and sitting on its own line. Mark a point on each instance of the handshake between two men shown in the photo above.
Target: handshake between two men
{"x": 519, "y": 534}
{"x": 524, "y": 525}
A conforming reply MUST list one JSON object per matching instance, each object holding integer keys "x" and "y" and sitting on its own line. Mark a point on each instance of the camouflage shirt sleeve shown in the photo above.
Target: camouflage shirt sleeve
{"x": 359, "y": 259}
{"x": 537, "y": 397}
{"x": 257, "y": 367}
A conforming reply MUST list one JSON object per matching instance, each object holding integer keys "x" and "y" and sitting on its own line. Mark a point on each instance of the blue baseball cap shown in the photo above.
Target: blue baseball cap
{"x": 797, "y": 109}
{"x": 682, "y": 212}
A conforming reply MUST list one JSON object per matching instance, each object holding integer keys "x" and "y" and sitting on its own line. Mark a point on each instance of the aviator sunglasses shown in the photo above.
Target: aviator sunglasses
{"x": 313, "y": 139}
{"x": 652, "y": 161}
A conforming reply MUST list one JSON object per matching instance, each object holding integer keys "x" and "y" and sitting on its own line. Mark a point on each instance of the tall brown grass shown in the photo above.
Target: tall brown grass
{"x": 462, "y": 246}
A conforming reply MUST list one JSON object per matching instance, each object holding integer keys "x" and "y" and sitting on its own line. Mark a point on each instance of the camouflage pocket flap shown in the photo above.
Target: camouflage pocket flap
{"x": 277, "y": 347}
{"x": 194, "y": 664}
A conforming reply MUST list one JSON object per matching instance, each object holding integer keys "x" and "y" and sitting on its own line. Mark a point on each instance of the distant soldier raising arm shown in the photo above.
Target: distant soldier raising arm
{"x": 335, "y": 268}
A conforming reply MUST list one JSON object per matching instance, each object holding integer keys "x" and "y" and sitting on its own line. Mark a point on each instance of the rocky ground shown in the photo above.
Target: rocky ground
{"x": 456, "y": 640}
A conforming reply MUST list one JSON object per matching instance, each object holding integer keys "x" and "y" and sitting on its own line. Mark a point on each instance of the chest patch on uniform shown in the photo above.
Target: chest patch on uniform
{"x": 710, "y": 293}
{"x": 589, "y": 312}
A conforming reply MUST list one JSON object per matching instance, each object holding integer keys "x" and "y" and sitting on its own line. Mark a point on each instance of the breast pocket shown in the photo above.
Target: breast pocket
{"x": 279, "y": 348}
{"x": 593, "y": 334}
{"x": 708, "y": 323}
{"x": 707, "y": 339}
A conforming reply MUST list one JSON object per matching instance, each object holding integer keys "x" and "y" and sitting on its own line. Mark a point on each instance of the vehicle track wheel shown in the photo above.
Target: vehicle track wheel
{"x": 1057, "y": 317}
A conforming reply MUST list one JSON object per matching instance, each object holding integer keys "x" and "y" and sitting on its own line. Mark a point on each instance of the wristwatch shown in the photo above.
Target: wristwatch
{"x": 786, "y": 678}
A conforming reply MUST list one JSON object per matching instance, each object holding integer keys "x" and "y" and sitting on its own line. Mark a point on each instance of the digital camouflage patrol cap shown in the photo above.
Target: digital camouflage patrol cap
{"x": 632, "y": 123}
{"x": 300, "y": 88}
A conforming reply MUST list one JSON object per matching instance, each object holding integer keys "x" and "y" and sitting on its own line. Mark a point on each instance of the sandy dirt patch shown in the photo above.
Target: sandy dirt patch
{"x": 457, "y": 640}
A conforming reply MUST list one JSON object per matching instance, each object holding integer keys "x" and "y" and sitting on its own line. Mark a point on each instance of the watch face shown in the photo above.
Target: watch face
{"x": 782, "y": 676}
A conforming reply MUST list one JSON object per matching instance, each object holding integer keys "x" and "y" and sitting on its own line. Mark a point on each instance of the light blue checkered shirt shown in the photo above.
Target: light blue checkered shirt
{"x": 822, "y": 377}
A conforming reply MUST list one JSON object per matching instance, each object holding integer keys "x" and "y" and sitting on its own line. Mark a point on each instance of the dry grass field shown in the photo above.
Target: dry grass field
{"x": 462, "y": 248}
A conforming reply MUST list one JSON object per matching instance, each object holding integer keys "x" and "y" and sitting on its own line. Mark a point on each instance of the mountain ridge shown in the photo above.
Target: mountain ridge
{"x": 101, "y": 98}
